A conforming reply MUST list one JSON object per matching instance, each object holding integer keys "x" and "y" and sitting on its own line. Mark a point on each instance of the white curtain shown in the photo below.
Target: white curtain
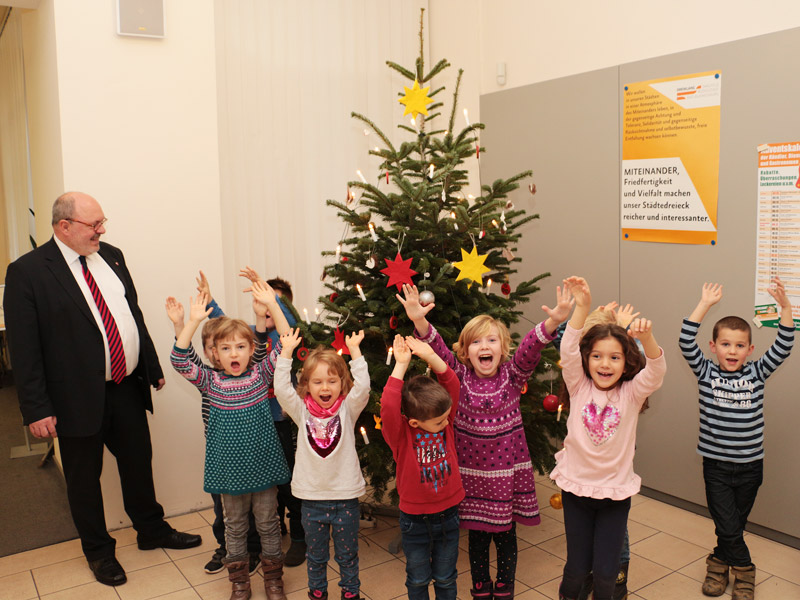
{"x": 289, "y": 74}
{"x": 15, "y": 183}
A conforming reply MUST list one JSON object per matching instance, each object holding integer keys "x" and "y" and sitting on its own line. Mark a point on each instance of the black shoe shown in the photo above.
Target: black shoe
{"x": 296, "y": 554}
{"x": 108, "y": 571}
{"x": 255, "y": 562}
{"x": 177, "y": 540}
{"x": 215, "y": 565}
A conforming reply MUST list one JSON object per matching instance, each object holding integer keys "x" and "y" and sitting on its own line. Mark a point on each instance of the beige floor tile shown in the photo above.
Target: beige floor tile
{"x": 385, "y": 581}
{"x": 679, "y": 523}
{"x": 669, "y": 551}
{"x": 547, "y": 529}
{"x": 124, "y": 537}
{"x": 192, "y": 569}
{"x": 776, "y": 588}
{"x": 133, "y": 559}
{"x": 530, "y": 595}
{"x": 549, "y": 589}
{"x": 19, "y": 586}
{"x": 637, "y": 532}
{"x": 24, "y": 561}
{"x": 780, "y": 560}
{"x": 370, "y": 553}
{"x": 219, "y": 589}
{"x": 385, "y": 537}
{"x": 672, "y": 587}
{"x": 382, "y": 523}
{"x": 62, "y": 575}
{"x": 553, "y": 513}
{"x": 208, "y": 515}
{"x": 187, "y": 522}
{"x": 535, "y": 567}
{"x": 643, "y": 572}
{"x": 188, "y": 594}
{"x": 93, "y": 591}
{"x": 556, "y": 546}
{"x": 638, "y": 499}
{"x": 152, "y": 582}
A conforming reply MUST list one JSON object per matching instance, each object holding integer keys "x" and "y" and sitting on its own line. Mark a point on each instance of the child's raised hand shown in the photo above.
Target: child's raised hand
{"x": 420, "y": 348}
{"x": 564, "y": 303}
{"x": 711, "y": 294}
{"x": 354, "y": 340}
{"x": 262, "y": 293}
{"x": 175, "y": 311}
{"x": 579, "y": 288}
{"x": 197, "y": 309}
{"x": 202, "y": 285}
{"x": 249, "y": 273}
{"x": 641, "y": 328}
{"x": 410, "y": 301}
{"x": 625, "y": 315}
{"x": 290, "y": 341}
{"x": 401, "y": 351}
{"x": 777, "y": 291}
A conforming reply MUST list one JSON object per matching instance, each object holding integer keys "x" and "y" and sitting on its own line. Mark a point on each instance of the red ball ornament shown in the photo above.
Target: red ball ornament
{"x": 302, "y": 353}
{"x": 393, "y": 322}
{"x": 506, "y": 289}
{"x": 550, "y": 403}
{"x": 345, "y": 259}
{"x": 333, "y": 296}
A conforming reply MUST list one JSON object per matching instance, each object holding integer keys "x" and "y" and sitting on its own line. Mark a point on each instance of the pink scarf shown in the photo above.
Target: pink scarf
{"x": 323, "y": 413}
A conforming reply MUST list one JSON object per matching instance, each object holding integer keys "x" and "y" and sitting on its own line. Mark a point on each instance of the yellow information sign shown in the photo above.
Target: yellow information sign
{"x": 670, "y": 159}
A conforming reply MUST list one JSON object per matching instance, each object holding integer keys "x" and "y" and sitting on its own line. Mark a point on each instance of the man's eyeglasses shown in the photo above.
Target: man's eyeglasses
{"x": 94, "y": 226}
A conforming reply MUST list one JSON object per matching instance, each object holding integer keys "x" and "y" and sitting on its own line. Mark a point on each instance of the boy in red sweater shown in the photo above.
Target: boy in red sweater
{"x": 423, "y": 443}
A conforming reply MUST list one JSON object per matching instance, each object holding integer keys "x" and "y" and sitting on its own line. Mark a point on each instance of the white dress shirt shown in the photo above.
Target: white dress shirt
{"x": 114, "y": 294}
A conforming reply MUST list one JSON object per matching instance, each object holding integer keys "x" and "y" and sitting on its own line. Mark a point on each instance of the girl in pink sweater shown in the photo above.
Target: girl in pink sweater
{"x": 607, "y": 380}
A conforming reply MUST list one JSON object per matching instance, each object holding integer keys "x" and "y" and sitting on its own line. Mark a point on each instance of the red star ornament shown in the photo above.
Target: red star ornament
{"x": 399, "y": 271}
{"x": 338, "y": 342}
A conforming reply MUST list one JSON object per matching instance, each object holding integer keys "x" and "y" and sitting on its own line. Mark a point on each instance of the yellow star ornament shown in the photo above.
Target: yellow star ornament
{"x": 471, "y": 266}
{"x": 416, "y": 100}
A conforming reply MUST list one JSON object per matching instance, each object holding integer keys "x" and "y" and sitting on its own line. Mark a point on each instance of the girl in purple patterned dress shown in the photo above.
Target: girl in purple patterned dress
{"x": 492, "y": 451}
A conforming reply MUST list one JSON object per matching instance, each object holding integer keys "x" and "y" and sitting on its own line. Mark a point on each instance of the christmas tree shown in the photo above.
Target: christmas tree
{"x": 413, "y": 223}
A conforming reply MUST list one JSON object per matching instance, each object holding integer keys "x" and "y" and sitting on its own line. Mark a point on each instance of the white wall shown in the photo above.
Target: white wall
{"x": 135, "y": 120}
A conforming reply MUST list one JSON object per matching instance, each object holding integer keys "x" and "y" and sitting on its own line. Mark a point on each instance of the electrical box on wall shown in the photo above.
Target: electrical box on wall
{"x": 141, "y": 18}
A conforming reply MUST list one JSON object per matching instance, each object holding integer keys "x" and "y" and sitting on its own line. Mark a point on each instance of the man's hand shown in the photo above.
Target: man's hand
{"x": 159, "y": 384}
{"x": 44, "y": 428}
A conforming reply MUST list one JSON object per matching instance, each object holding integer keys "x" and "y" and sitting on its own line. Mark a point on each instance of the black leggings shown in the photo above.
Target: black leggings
{"x": 595, "y": 532}
{"x": 506, "y": 544}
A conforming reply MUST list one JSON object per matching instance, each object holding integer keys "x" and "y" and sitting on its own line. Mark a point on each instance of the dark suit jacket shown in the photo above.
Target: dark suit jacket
{"x": 56, "y": 346}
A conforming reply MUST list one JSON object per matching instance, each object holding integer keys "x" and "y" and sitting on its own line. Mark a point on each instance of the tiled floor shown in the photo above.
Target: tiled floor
{"x": 668, "y": 547}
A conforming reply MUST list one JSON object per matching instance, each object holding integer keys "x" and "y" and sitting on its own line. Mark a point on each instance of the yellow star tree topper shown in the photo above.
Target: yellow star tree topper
{"x": 471, "y": 266}
{"x": 416, "y": 100}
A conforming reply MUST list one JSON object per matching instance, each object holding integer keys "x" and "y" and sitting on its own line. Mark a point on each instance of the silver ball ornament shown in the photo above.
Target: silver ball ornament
{"x": 426, "y": 298}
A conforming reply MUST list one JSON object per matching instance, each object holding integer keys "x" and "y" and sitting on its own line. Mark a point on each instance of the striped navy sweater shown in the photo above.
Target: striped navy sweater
{"x": 732, "y": 402}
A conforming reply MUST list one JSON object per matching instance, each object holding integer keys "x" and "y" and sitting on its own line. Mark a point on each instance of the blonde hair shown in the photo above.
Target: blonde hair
{"x": 476, "y": 328}
{"x": 335, "y": 363}
{"x": 599, "y": 316}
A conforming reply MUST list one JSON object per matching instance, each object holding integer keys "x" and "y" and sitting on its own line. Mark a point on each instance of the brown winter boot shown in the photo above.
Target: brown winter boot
{"x": 716, "y": 577}
{"x": 744, "y": 582}
{"x": 273, "y": 577}
{"x": 239, "y": 576}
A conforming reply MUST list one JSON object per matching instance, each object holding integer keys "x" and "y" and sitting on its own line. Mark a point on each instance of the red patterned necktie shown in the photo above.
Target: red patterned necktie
{"x": 118, "y": 365}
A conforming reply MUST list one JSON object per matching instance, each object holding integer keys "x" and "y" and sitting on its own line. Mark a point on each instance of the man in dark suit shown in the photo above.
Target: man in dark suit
{"x": 83, "y": 365}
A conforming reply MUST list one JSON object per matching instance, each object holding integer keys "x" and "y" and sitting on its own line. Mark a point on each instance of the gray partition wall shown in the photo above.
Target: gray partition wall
{"x": 568, "y": 131}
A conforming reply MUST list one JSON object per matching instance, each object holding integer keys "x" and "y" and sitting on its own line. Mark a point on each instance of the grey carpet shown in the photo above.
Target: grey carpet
{"x": 33, "y": 500}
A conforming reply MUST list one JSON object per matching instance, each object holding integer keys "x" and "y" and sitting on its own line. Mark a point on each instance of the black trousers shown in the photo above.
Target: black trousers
{"x": 731, "y": 490}
{"x": 126, "y": 434}
{"x": 286, "y": 501}
{"x": 595, "y": 531}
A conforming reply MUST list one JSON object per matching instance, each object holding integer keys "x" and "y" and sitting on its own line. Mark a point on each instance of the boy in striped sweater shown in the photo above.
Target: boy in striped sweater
{"x": 732, "y": 429}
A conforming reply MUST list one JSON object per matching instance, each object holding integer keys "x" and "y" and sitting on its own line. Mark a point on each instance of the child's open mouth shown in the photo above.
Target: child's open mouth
{"x": 485, "y": 360}
{"x": 235, "y": 365}
{"x": 325, "y": 398}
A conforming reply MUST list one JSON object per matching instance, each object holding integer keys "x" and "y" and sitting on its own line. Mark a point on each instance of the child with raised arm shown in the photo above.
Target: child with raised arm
{"x": 244, "y": 462}
{"x": 416, "y": 420}
{"x": 607, "y": 380}
{"x": 496, "y": 468}
{"x": 732, "y": 429}
{"x": 327, "y": 474}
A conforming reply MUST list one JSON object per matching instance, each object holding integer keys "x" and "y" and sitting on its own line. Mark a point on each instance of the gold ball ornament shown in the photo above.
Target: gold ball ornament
{"x": 555, "y": 501}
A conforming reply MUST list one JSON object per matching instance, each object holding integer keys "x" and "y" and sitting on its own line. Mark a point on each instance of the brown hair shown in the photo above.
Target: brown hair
{"x": 335, "y": 362}
{"x": 634, "y": 361}
{"x": 478, "y": 327}
{"x": 210, "y": 327}
{"x": 423, "y": 398}
{"x": 282, "y": 286}
{"x": 734, "y": 323}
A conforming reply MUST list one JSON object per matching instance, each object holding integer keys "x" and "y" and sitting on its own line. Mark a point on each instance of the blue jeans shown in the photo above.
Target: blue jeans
{"x": 430, "y": 543}
{"x": 731, "y": 490}
{"x": 341, "y": 519}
